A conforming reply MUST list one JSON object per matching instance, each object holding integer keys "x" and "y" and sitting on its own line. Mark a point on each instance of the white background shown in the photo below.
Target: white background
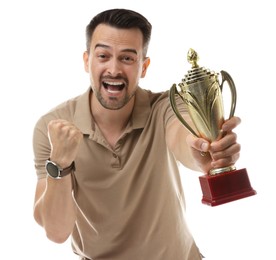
{"x": 41, "y": 48}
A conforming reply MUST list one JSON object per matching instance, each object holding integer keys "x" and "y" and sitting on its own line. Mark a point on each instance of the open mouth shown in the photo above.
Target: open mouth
{"x": 113, "y": 87}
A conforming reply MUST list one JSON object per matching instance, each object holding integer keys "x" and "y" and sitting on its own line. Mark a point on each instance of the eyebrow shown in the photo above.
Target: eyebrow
{"x": 100, "y": 45}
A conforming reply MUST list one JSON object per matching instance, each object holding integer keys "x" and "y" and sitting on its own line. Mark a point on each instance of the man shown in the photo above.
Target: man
{"x": 116, "y": 148}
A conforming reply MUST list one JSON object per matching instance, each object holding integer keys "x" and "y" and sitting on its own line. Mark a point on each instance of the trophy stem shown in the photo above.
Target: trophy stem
{"x": 222, "y": 170}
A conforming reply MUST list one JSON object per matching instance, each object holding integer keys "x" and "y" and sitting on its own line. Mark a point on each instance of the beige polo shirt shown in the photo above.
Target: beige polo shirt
{"x": 130, "y": 200}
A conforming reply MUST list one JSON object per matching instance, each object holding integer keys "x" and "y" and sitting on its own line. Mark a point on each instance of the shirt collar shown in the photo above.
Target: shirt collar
{"x": 141, "y": 109}
{"x": 85, "y": 122}
{"x": 82, "y": 118}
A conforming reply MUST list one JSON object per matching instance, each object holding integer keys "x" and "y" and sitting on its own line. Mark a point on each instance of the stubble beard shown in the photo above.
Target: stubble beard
{"x": 113, "y": 103}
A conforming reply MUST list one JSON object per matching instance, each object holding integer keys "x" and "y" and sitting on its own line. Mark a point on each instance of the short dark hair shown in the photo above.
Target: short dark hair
{"x": 122, "y": 19}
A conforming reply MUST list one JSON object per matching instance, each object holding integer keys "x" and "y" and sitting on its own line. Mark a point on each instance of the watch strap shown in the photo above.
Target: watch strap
{"x": 67, "y": 170}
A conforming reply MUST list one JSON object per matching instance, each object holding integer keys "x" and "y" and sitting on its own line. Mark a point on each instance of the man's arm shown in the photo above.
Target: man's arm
{"x": 54, "y": 207}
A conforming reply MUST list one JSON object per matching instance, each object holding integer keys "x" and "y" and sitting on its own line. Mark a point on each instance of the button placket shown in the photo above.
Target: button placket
{"x": 116, "y": 160}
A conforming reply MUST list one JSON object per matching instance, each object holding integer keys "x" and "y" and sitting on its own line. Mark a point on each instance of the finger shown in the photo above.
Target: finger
{"x": 199, "y": 144}
{"x": 229, "y": 152}
{"x": 231, "y": 123}
{"x": 226, "y": 161}
{"x": 223, "y": 143}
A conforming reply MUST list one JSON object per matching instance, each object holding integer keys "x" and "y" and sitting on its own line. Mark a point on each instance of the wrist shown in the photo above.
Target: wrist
{"x": 55, "y": 171}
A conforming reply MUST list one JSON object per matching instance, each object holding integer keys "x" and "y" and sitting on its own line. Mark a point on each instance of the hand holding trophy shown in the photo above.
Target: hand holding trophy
{"x": 201, "y": 92}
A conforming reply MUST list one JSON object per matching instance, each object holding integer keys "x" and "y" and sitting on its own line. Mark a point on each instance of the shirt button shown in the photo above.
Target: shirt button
{"x": 115, "y": 155}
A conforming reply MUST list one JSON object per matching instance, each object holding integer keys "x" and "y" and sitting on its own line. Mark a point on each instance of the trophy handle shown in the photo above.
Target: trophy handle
{"x": 173, "y": 92}
{"x": 226, "y": 77}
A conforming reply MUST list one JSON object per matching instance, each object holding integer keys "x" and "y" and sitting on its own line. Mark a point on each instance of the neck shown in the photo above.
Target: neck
{"x": 112, "y": 123}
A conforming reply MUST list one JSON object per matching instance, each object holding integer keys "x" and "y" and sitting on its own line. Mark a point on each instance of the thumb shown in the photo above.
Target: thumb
{"x": 197, "y": 143}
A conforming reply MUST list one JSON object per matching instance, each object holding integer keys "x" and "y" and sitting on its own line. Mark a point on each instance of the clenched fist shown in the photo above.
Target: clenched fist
{"x": 65, "y": 139}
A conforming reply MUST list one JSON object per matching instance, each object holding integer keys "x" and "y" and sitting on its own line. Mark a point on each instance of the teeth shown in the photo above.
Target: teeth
{"x": 113, "y": 91}
{"x": 113, "y": 83}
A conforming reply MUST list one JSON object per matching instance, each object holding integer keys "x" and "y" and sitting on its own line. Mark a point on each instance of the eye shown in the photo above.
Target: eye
{"x": 102, "y": 56}
{"x": 127, "y": 59}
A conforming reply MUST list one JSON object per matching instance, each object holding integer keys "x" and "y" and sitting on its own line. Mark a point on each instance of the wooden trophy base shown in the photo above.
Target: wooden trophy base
{"x": 225, "y": 187}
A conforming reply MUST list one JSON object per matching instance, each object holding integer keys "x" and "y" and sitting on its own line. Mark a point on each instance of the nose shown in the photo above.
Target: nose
{"x": 114, "y": 68}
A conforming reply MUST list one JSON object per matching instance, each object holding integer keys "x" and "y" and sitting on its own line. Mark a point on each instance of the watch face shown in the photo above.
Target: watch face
{"x": 52, "y": 170}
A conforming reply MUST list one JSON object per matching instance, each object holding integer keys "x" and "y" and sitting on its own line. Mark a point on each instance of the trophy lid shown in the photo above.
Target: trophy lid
{"x": 196, "y": 73}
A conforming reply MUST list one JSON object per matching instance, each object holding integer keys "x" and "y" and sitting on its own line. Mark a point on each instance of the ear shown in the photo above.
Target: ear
{"x": 86, "y": 61}
{"x": 145, "y": 66}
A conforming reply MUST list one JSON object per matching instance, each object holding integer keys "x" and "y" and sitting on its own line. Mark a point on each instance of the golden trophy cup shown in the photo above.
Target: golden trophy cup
{"x": 201, "y": 94}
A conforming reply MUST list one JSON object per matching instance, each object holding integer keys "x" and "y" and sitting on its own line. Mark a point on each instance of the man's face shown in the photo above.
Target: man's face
{"x": 115, "y": 64}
